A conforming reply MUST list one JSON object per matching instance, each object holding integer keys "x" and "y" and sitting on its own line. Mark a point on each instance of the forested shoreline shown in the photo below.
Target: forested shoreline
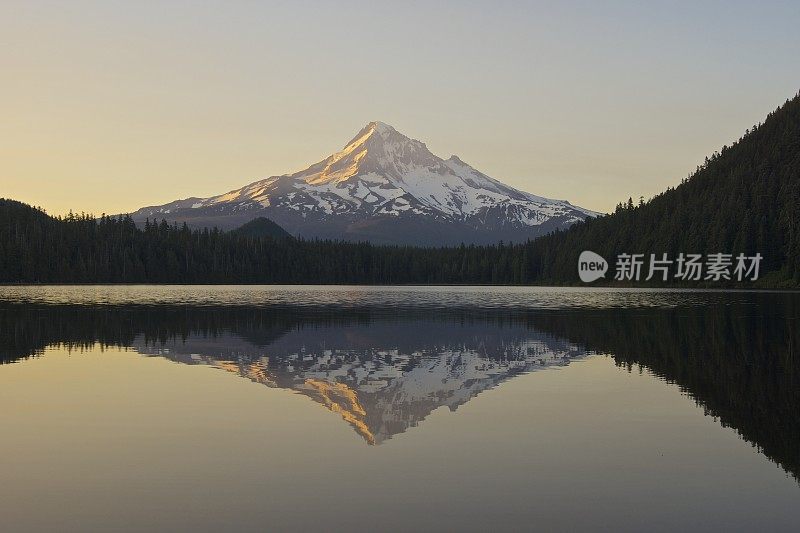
{"x": 80, "y": 249}
{"x": 37, "y": 248}
{"x": 743, "y": 199}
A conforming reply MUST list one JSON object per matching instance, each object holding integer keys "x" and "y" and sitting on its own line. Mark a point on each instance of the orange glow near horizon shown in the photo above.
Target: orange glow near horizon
{"x": 110, "y": 107}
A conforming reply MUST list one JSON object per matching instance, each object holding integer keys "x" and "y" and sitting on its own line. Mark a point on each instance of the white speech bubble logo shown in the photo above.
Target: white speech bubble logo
{"x": 591, "y": 266}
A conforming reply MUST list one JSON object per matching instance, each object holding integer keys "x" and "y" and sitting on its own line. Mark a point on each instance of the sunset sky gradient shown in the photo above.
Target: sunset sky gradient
{"x": 110, "y": 106}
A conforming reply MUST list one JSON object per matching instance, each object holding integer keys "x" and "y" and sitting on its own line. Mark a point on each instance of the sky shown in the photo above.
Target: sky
{"x": 109, "y": 106}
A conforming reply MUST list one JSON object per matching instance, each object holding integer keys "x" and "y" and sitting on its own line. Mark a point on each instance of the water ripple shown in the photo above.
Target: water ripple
{"x": 376, "y": 297}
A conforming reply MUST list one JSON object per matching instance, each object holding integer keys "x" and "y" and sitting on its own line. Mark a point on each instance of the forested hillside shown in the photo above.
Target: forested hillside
{"x": 743, "y": 199}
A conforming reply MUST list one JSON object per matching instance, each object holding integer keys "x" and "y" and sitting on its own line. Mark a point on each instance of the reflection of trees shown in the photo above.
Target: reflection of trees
{"x": 737, "y": 361}
{"x": 25, "y": 330}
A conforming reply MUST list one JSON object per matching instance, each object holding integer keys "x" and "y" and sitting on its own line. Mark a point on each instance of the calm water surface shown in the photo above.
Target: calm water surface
{"x": 361, "y": 408}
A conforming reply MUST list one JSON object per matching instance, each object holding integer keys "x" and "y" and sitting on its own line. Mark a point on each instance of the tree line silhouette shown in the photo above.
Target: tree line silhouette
{"x": 37, "y": 248}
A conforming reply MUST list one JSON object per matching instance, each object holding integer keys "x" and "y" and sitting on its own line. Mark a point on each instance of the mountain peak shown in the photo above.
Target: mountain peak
{"x": 379, "y": 149}
{"x": 372, "y": 132}
{"x": 374, "y": 128}
{"x": 381, "y": 128}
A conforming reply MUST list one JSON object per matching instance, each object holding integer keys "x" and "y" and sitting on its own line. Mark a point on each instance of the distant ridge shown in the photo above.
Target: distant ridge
{"x": 262, "y": 227}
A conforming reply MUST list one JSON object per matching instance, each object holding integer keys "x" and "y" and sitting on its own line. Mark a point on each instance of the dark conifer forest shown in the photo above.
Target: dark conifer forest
{"x": 744, "y": 198}
{"x": 37, "y": 248}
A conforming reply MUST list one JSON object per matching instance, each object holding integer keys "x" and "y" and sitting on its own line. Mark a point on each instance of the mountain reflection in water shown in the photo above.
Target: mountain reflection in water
{"x": 386, "y": 373}
{"x": 381, "y": 378}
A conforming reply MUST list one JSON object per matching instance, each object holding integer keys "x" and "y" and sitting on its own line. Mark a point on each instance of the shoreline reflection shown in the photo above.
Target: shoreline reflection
{"x": 385, "y": 374}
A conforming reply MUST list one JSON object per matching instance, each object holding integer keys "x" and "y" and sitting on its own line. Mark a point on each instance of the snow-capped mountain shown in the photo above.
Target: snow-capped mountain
{"x": 386, "y": 188}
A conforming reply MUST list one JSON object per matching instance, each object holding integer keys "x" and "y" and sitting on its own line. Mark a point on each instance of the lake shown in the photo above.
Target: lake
{"x": 209, "y": 408}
